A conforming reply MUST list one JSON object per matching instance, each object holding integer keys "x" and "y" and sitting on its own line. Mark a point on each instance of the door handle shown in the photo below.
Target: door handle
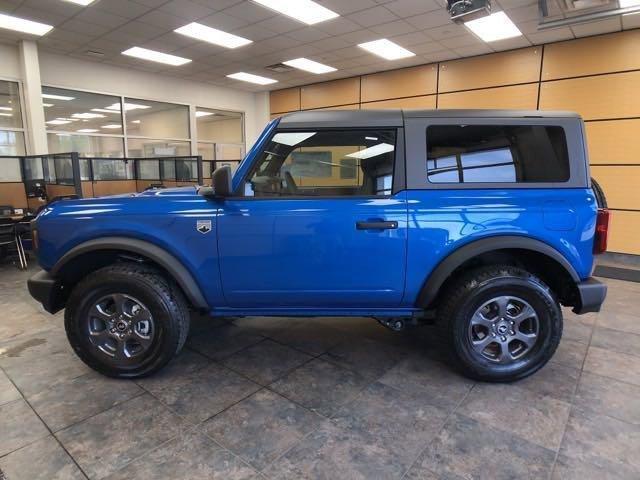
{"x": 377, "y": 225}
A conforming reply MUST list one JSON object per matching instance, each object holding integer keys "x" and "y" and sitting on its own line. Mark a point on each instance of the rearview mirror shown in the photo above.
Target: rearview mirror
{"x": 220, "y": 183}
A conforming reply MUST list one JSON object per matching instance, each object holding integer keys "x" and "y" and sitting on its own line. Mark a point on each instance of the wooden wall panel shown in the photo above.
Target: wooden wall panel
{"x": 592, "y": 55}
{"x": 601, "y": 97}
{"x": 504, "y": 68}
{"x": 285, "y": 100}
{"x": 427, "y": 101}
{"x": 624, "y": 232}
{"x": 58, "y": 190}
{"x": 113, "y": 187}
{"x": 353, "y": 106}
{"x": 620, "y": 185}
{"x": 336, "y": 92}
{"x": 407, "y": 82}
{"x": 614, "y": 141}
{"x": 13, "y": 194}
{"x": 87, "y": 189}
{"x": 523, "y": 97}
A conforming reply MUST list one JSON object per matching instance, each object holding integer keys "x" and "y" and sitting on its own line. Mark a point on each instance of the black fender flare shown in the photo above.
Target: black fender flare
{"x": 166, "y": 260}
{"x": 446, "y": 267}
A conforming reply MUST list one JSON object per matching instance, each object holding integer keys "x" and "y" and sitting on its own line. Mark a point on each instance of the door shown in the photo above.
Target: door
{"x": 320, "y": 223}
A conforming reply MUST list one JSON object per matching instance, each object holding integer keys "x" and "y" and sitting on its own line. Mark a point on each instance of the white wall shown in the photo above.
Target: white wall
{"x": 62, "y": 71}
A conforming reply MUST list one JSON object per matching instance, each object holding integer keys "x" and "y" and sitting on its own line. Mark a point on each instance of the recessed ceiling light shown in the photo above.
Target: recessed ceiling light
{"x": 496, "y": 26}
{"x": 306, "y": 11}
{"x": 87, "y": 115}
{"x": 104, "y": 110}
{"x": 56, "y": 97}
{"x": 58, "y": 122}
{"x": 309, "y": 65}
{"x": 203, "y": 114}
{"x": 7, "y": 109}
{"x": 127, "y": 106}
{"x": 87, "y": 130}
{"x": 154, "y": 56}
{"x": 21, "y": 25}
{"x": 251, "y": 78}
{"x": 135, "y": 121}
{"x": 84, "y": 3}
{"x": 386, "y": 49}
{"x": 374, "y": 151}
{"x": 112, "y": 126}
{"x": 47, "y": 105}
{"x": 212, "y": 35}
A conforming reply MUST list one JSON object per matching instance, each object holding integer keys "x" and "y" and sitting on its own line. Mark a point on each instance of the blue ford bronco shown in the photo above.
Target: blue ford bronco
{"x": 484, "y": 222}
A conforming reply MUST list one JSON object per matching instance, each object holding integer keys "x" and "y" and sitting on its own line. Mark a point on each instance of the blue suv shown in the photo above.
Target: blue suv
{"x": 484, "y": 222}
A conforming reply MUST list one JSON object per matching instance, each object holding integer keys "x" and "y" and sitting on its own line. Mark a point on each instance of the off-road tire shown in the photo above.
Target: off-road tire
{"x": 467, "y": 293}
{"x": 161, "y": 296}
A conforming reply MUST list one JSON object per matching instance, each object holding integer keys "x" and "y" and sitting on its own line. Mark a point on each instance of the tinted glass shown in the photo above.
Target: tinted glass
{"x": 312, "y": 163}
{"x": 156, "y": 119}
{"x": 10, "y": 116}
{"x": 85, "y": 145}
{"x": 496, "y": 154}
{"x": 218, "y": 126}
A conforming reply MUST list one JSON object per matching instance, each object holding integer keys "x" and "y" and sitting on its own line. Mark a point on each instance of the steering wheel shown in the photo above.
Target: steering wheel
{"x": 291, "y": 183}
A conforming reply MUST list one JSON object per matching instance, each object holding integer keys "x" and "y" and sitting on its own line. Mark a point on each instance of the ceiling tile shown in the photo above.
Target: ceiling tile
{"x": 186, "y": 9}
{"x": 447, "y": 31}
{"x": 122, "y": 8}
{"x": 87, "y": 28}
{"x": 548, "y": 36}
{"x": 372, "y": 16}
{"x": 100, "y": 17}
{"x": 430, "y": 20}
{"x": 464, "y": 40}
{"x": 345, "y": 7}
{"x": 307, "y": 35}
{"x": 249, "y": 11}
{"x": 427, "y": 47}
{"x": 510, "y": 43}
{"x": 471, "y": 50}
{"x": 360, "y": 36}
{"x": 38, "y": 15}
{"x": 162, "y": 19}
{"x": 409, "y": 39}
{"x": 253, "y": 32}
{"x": 338, "y": 26}
{"x": 390, "y": 29}
{"x": 280, "y": 24}
{"x": 595, "y": 28}
{"x": 410, "y": 8}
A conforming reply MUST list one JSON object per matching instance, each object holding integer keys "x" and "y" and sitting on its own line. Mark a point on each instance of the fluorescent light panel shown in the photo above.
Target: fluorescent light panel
{"x": 6, "y": 109}
{"x": 154, "y": 56}
{"x": 112, "y": 126}
{"x": 491, "y": 28}
{"x": 251, "y": 78}
{"x": 87, "y": 115}
{"x": 386, "y": 49}
{"x": 306, "y": 11}
{"x": 372, "y": 151}
{"x": 115, "y": 108}
{"x": 309, "y": 65}
{"x": 58, "y": 122}
{"x": 57, "y": 97}
{"x": 6, "y": 114}
{"x": 84, "y": 3}
{"x": 22, "y": 25}
{"x": 212, "y": 35}
{"x": 104, "y": 110}
{"x": 87, "y": 130}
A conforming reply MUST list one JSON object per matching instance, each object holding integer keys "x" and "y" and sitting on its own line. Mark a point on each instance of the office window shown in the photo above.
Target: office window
{"x": 496, "y": 154}
{"x": 147, "y": 147}
{"x": 156, "y": 119}
{"x": 310, "y": 164}
{"x": 11, "y": 127}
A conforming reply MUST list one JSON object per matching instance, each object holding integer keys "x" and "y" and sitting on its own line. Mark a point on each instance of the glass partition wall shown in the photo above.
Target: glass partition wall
{"x": 11, "y": 126}
{"x": 99, "y": 125}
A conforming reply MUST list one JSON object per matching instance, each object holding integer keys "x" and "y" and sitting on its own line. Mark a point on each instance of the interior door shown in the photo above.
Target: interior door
{"x": 319, "y": 225}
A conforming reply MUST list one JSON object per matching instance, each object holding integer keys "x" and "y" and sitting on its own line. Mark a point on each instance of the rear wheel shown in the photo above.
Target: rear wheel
{"x": 502, "y": 323}
{"x": 126, "y": 320}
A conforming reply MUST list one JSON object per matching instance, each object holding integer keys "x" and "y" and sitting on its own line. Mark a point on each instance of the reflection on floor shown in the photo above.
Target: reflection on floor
{"x": 318, "y": 398}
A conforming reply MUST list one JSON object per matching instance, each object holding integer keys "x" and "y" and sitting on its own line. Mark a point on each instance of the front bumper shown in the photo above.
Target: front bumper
{"x": 47, "y": 290}
{"x": 591, "y": 293}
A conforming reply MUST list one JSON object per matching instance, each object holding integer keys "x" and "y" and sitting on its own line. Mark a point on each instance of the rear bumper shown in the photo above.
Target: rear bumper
{"x": 46, "y": 290}
{"x": 591, "y": 293}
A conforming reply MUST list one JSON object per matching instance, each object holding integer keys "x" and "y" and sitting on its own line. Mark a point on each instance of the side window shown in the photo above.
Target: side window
{"x": 497, "y": 154}
{"x": 325, "y": 163}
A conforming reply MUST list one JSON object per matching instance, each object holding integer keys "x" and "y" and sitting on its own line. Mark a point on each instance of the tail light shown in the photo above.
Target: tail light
{"x": 602, "y": 231}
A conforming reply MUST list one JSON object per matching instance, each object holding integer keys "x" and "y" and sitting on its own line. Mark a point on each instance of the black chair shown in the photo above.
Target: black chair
{"x": 10, "y": 242}
{"x": 6, "y": 210}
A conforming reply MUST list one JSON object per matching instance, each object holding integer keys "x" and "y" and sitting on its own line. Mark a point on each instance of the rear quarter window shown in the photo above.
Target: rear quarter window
{"x": 497, "y": 154}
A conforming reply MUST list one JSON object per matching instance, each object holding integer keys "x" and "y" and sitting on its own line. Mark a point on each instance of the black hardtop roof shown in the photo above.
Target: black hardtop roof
{"x": 395, "y": 117}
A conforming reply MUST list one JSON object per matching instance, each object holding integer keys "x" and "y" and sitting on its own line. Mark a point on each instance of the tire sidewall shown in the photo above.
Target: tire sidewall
{"x": 549, "y": 327}
{"x": 86, "y": 295}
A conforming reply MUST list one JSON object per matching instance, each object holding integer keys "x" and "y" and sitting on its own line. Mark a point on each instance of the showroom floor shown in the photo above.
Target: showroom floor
{"x": 318, "y": 398}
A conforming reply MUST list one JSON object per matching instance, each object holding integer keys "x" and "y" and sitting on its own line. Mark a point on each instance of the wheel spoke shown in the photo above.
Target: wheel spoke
{"x": 479, "y": 319}
{"x": 119, "y": 302}
{"x": 526, "y": 313}
{"x": 505, "y": 355}
{"x": 99, "y": 336}
{"x": 503, "y": 303}
{"x": 527, "y": 339}
{"x": 480, "y": 345}
{"x": 98, "y": 312}
{"x": 144, "y": 341}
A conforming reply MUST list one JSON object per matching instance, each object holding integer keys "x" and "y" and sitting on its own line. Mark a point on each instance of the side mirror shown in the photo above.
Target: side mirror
{"x": 220, "y": 183}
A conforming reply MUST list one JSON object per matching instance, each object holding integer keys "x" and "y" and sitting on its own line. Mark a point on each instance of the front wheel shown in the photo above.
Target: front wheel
{"x": 126, "y": 320}
{"x": 502, "y": 323}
